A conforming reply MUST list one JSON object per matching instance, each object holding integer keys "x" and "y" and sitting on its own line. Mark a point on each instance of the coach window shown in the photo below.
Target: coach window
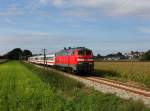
{"x": 50, "y": 58}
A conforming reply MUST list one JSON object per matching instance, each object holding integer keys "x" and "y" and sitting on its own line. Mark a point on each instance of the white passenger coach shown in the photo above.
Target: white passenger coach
{"x": 50, "y": 59}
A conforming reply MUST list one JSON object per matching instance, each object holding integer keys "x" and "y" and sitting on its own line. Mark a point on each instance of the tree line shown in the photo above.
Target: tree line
{"x": 146, "y": 55}
{"x": 17, "y": 54}
{"x": 142, "y": 57}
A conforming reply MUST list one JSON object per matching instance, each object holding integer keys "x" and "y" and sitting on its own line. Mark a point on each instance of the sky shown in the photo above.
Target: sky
{"x": 105, "y": 26}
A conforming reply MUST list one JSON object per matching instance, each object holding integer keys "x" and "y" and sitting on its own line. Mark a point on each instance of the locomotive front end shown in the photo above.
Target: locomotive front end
{"x": 85, "y": 61}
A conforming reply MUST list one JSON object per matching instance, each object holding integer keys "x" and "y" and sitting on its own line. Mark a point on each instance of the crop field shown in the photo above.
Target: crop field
{"x": 132, "y": 72}
{"x": 24, "y": 87}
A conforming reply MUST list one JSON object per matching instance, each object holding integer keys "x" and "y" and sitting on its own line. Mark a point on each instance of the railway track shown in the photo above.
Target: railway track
{"x": 123, "y": 90}
{"x": 130, "y": 88}
{"x": 116, "y": 84}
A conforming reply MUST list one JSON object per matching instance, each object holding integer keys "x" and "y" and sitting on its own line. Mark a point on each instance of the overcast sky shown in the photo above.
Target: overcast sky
{"x": 105, "y": 26}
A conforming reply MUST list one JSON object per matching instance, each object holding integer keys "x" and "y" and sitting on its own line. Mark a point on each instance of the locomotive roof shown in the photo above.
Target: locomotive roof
{"x": 80, "y": 48}
{"x": 72, "y": 49}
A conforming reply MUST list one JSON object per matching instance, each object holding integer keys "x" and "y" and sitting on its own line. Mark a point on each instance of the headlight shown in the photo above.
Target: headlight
{"x": 90, "y": 59}
{"x": 83, "y": 59}
{"x": 80, "y": 59}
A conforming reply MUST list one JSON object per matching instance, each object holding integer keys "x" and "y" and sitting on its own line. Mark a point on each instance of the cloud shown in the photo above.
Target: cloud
{"x": 108, "y": 7}
{"x": 145, "y": 30}
{"x": 58, "y": 2}
{"x": 12, "y": 10}
{"x": 36, "y": 34}
{"x": 44, "y": 1}
{"x": 23, "y": 37}
{"x": 79, "y": 13}
{"x": 33, "y": 38}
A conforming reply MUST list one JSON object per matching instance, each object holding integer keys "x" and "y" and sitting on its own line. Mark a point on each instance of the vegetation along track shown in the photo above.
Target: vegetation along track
{"x": 24, "y": 87}
{"x": 122, "y": 90}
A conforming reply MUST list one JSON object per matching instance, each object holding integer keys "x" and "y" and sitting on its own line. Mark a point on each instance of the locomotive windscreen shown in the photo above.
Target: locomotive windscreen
{"x": 84, "y": 52}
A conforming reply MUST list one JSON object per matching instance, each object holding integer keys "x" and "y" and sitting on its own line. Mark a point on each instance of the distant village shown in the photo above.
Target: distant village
{"x": 120, "y": 56}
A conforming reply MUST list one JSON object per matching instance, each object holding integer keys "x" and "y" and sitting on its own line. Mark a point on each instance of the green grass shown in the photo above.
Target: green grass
{"x": 133, "y": 72}
{"x": 24, "y": 87}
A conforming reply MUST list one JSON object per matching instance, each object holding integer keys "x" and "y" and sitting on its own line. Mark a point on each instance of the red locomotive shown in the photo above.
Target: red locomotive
{"x": 78, "y": 59}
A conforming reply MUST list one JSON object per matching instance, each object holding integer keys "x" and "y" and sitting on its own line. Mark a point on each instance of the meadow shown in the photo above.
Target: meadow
{"x": 137, "y": 73}
{"x": 24, "y": 87}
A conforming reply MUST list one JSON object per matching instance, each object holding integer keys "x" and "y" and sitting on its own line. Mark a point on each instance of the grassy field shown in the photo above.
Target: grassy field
{"x": 132, "y": 72}
{"x": 24, "y": 87}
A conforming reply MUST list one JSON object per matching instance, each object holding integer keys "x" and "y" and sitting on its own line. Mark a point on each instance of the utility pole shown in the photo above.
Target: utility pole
{"x": 45, "y": 61}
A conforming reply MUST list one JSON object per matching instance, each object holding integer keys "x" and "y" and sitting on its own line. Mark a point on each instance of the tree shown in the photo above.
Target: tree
{"x": 146, "y": 56}
{"x": 15, "y": 54}
{"x": 26, "y": 54}
{"x": 119, "y": 54}
{"x": 99, "y": 56}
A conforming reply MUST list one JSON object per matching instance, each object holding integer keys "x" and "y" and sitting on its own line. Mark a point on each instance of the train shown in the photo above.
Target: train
{"x": 79, "y": 60}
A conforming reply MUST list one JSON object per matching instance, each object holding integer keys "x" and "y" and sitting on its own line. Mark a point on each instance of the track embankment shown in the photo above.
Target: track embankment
{"x": 3, "y": 60}
{"x": 120, "y": 89}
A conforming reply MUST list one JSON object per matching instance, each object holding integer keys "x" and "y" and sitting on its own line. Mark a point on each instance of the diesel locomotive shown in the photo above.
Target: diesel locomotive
{"x": 78, "y": 60}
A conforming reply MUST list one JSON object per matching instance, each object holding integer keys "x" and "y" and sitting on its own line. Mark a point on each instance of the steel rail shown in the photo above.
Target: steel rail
{"x": 122, "y": 86}
{"x": 122, "y": 83}
{"x": 112, "y": 83}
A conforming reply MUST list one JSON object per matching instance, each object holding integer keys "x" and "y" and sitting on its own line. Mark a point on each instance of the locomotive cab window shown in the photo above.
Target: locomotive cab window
{"x": 81, "y": 52}
{"x": 88, "y": 52}
{"x": 84, "y": 52}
